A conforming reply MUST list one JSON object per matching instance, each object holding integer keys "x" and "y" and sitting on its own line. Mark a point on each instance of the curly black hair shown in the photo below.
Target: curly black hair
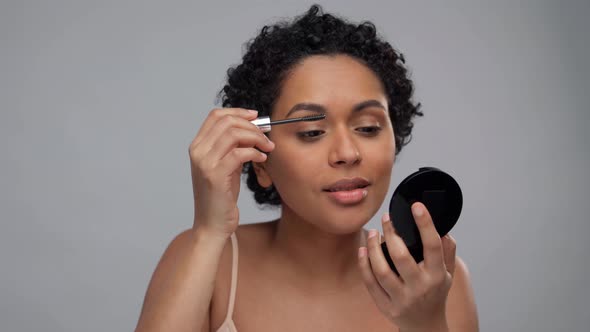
{"x": 256, "y": 82}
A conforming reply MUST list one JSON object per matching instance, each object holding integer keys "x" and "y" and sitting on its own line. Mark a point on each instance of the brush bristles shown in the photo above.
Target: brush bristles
{"x": 313, "y": 117}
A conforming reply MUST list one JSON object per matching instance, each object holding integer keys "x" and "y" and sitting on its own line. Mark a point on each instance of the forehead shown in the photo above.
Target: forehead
{"x": 335, "y": 81}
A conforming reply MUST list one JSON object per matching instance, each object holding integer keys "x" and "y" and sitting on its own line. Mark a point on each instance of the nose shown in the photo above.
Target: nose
{"x": 344, "y": 151}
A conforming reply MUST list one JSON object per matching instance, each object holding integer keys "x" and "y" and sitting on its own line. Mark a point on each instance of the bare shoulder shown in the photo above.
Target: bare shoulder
{"x": 461, "y": 307}
{"x": 250, "y": 238}
{"x": 246, "y": 234}
{"x": 166, "y": 278}
{"x": 178, "y": 248}
{"x": 251, "y": 234}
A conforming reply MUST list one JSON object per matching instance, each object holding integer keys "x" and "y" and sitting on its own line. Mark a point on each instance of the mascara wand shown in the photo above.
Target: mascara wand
{"x": 265, "y": 124}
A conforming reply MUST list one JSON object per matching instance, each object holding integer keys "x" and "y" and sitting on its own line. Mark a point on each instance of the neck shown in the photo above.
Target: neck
{"x": 318, "y": 257}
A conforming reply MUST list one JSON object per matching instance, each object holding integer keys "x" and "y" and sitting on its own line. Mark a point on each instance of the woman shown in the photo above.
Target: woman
{"x": 315, "y": 268}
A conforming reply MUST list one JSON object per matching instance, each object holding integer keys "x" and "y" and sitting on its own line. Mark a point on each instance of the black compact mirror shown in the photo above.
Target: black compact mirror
{"x": 441, "y": 195}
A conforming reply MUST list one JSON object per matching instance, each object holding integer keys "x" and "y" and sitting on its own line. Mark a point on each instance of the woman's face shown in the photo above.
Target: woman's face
{"x": 333, "y": 173}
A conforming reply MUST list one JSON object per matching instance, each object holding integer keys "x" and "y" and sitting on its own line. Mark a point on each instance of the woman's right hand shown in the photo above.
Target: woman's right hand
{"x": 226, "y": 140}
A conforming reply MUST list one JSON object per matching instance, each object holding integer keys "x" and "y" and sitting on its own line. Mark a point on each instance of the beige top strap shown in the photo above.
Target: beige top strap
{"x": 234, "y": 277}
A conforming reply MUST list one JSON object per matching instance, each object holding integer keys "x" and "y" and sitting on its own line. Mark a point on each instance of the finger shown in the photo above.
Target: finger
{"x": 220, "y": 123}
{"x": 223, "y": 143}
{"x": 433, "y": 252}
{"x": 238, "y": 156}
{"x": 216, "y": 115}
{"x": 377, "y": 292}
{"x": 398, "y": 251}
{"x": 383, "y": 273}
{"x": 226, "y": 124}
{"x": 450, "y": 251}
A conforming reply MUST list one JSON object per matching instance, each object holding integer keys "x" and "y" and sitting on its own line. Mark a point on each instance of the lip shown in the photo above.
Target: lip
{"x": 348, "y": 191}
{"x": 347, "y": 184}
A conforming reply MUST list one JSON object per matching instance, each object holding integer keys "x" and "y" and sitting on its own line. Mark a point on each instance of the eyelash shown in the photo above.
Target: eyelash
{"x": 374, "y": 130}
{"x": 311, "y": 135}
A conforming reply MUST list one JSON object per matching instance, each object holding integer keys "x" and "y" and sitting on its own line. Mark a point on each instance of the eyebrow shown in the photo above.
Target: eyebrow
{"x": 317, "y": 108}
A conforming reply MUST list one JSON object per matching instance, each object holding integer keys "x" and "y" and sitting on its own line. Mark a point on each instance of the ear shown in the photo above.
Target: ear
{"x": 262, "y": 175}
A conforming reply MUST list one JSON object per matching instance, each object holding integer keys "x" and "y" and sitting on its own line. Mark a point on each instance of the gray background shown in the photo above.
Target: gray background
{"x": 100, "y": 100}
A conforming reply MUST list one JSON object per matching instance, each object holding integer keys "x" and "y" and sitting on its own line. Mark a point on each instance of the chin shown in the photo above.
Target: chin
{"x": 334, "y": 219}
{"x": 345, "y": 223}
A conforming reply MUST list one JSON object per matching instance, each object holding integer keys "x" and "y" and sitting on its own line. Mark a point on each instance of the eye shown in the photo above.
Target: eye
{"x": 310, "y": 134}
{"x": 369, "y": 131}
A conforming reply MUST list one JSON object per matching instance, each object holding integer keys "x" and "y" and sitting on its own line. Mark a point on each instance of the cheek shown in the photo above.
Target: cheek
{"x": 291, "y": 167}
{"x": 382, "y": 161}
{"x": 383, "y": 167}
{"x": 382, "y": 152}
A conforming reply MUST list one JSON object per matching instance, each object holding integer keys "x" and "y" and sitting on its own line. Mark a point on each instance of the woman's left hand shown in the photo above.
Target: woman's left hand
{"x": 415, "y": 300}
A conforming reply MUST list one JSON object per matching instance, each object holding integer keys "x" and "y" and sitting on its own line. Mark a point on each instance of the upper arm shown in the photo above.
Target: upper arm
{"x": 461, "y": 308}
{"x": 176, "y": 250}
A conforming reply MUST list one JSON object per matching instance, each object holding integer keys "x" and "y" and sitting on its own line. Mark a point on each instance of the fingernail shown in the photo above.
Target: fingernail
{"x": 417, "y": 209}
{"x": 385, "y": 218}
{"x": 362, "y": 252}
{"x": 253, "y": 111}
{"x": 372, "y": 233}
